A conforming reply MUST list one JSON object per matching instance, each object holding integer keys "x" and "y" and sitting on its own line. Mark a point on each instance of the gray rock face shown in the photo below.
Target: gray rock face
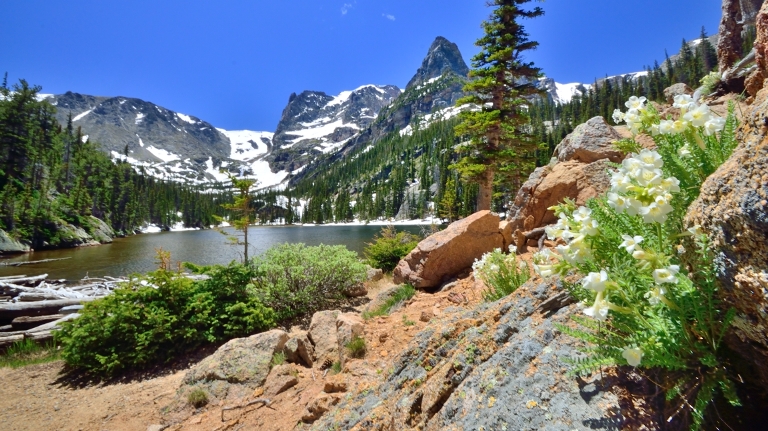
{"x": 590, "y": 142}
{"x": 444, "y": 56}
{"x": 348, "y": 113}
{"x": 500, "y": 366}
{"x": 733, "y": 209}
{"x": 676, "y": 90}
{"x": 9, "y": 245}
{"x": 150, "y": 132}
{"x": 243, "y": 361}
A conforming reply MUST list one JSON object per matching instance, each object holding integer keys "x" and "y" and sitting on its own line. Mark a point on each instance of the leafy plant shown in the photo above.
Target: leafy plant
{"x": 651, "y": 282}
{"x": 197, "y": 398}
{"x": 336, "y": 367}
{"x": 295, "y": 279}
{"x": 402, "y": 294}
{"x": 356, "y": 347}
{"x": 156, "y": 318}
{"x": 388, "y": 247}
{"x": 501, "y": 273}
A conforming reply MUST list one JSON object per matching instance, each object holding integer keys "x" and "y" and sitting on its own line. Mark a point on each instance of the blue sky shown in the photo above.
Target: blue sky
{"x": 235, "y": 62}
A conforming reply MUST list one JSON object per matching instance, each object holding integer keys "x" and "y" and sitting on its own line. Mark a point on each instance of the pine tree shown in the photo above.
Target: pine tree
{"x": 499, "y": 142}
{"x": 242, "y": 210}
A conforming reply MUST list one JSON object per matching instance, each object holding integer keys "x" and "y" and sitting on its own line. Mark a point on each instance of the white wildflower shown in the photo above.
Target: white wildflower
{"x": 635, "y": 102}
{"x": 633, "y": 355}
{"x": 655, "y": 295}
{"x": 595, "y": 281}
{"x": 650, "y": 158}
{"x": 698, "y": 116}
{"x": 617, "y": 202}
{"x": 630, "y": 242}
{"x": 714, "y": 125}
{"x": 666, "y": 275}
{"x": 598, "y": 310}
{"x": 684, "y": 151}
{"x": 684, "y": 101}
{"x": 618, "y": 116}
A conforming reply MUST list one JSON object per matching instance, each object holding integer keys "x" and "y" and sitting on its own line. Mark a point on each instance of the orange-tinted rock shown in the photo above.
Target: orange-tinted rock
{"x": 755, "y": 80}
{"x": 444, "y": 254}
{"x": 733, "y": 209}
{"x": 548, "y": 186}
{"x": 279, "y": 380}
{"x": 322, "y": 334}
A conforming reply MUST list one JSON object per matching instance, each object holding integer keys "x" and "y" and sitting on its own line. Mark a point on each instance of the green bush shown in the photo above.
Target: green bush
{"x": 294, "y": 279}
{"x": 402, "y": 294}
{"x": 158, "y": 317}
{"x": 389, "y": 247}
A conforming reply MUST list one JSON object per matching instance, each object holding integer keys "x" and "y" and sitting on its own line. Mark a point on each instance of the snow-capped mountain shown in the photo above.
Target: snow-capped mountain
{"x": 172, "y": 145}
{"x": 314, "y": 123}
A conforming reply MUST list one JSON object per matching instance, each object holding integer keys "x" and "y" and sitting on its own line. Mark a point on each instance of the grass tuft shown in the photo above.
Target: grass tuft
{"x": 402, "y": 294}
{"x": 356, "y": 347}
{"x": 197, "y": 398}
{"x": 27, "y": 352}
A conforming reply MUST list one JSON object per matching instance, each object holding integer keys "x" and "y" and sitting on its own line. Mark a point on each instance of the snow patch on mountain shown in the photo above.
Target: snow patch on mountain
{"x": 247, "y": 145}
{"x": 79, "y": 116}
{"x": 185, "y": 118}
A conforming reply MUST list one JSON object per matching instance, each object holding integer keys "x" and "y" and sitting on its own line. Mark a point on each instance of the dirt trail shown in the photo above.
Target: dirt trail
{"x": 37, "y": 398}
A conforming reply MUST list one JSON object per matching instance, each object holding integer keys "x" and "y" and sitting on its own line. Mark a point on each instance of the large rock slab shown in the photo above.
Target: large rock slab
{"x": 590, "y": 142}
{"x": 733, "y": 209}
{"x": 241, "y": 360}
{"x": 755, "y": 80}
{"x": 549, "y": 185}
{"x": 444, "y": 254}
{"x": 9, "y": 245}
{"x": 322, "y": 334}
{"x": 500, "y": 366}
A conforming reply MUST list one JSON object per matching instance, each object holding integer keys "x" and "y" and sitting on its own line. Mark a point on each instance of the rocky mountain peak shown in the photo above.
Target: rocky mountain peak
{"x": 315, "y": 122}
{"x": 443, "y": 56}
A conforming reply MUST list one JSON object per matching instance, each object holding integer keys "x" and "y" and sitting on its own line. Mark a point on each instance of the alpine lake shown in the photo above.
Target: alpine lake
{"x": 137, "y": 253}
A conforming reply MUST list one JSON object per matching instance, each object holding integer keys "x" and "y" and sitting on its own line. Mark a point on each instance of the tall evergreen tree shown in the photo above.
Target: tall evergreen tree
{"x": 499, "y": 140}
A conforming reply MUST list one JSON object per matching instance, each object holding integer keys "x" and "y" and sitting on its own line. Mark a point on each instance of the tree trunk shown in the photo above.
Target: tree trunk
{"x": 485, "y": 192}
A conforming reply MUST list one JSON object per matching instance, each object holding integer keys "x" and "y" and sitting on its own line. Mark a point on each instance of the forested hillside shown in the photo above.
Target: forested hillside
{"x": 407, "y": 176}
{"x": 53, "y": 180}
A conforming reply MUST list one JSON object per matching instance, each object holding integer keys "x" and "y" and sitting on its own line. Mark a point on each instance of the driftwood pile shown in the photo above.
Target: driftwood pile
{"x": 33, "y": 307}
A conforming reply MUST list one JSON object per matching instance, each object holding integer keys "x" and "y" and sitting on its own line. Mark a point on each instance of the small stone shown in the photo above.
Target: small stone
{"x": 426, "y": 316}
{"x": 335, "y": 384}
{"x": 383, "y": 337}
{"x": 383, "y": 353}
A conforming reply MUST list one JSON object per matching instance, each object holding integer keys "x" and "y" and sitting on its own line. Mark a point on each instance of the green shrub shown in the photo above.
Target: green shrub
{"x": 356, "y": 347}
{"x": 294, "y": 279}
{"x": 501, "y": 273}
{"x": 197, "y": 398}
{"x": 158, "y": 317}
{"x": 388, "y": 247}
{"x": 336, "y": 367}
{"x": 402, "y": 294}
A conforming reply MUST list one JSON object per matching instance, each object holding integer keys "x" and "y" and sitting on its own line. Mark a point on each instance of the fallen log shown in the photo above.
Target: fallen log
{"x": 10, "y": 311}
{"x": 8, "y": 340}
{"x": 39, "y": 337}
{"x": 21, "y": 281}
{"x": 50, "y": 326}
{"x": 27, "y": 322}
{"x": 38, "y": 296}
{"x": 11, "y": 277}
{"x": 32, "y": 262}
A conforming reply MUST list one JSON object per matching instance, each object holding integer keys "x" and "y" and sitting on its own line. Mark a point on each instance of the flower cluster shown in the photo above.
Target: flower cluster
{"x": 639, "y": 187}
{"x": 693, "y": 116}
{"x": 574, "y": 230}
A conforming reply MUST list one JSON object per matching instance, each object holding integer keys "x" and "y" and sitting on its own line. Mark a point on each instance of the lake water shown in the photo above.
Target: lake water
{"x": 136, "y": 254}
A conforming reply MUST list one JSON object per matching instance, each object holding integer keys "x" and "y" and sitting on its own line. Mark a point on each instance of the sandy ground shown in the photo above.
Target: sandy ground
{"x": 43, "y": 397}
